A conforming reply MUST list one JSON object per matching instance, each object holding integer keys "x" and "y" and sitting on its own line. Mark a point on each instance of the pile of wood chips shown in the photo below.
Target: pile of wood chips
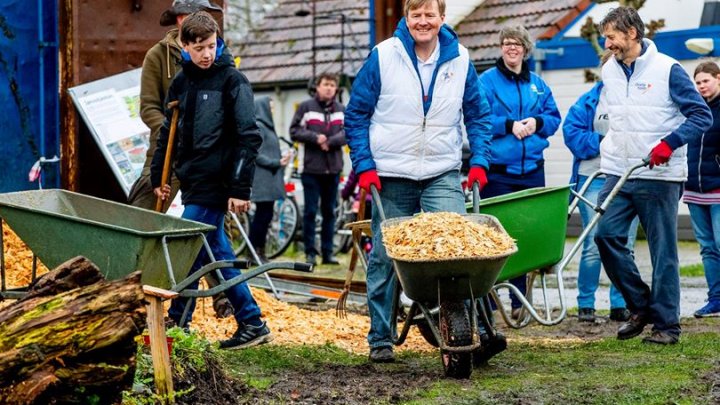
{"x": 444, "y": 235}
{"x": 289, "y": 324}
{"x": 18, "y": 260}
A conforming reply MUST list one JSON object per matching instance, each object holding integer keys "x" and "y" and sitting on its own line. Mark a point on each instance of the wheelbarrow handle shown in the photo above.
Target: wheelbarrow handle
{"x": 476, "y": 197}
{"x": 377, "y": 202}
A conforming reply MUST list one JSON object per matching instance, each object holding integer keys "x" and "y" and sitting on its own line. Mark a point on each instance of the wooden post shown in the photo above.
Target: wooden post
{"x": 158, "y": 340}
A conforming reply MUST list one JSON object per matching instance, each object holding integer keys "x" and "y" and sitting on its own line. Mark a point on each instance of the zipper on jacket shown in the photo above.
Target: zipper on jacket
{"x": 702, "y": 146}
{"x": 522, "y": 160}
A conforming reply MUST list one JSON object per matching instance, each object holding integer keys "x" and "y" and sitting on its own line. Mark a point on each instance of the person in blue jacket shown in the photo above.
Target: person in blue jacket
{"x": 702, "y": 189}
{"x": 404, "y": 128}
{"x": 584, "y": 128}
{"x": 523, "y": 116}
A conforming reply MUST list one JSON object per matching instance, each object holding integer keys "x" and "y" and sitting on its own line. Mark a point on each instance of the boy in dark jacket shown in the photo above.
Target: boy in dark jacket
{"x": 216, "y": 143}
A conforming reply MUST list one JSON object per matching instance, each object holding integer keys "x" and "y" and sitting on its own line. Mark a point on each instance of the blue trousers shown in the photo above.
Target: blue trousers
{"x": 590, "y": 265}
{"x": 706, "y": 224}
{"x": 246, "y": 309}
{"x": 322, "y": 189}
{"x": 655, "y": 203}
{"x": 402, "y": 197}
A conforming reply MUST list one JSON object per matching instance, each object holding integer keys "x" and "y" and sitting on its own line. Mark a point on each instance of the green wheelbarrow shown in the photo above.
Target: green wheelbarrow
{"x": 120, "y": 239}
{"x": 537, "y": 219}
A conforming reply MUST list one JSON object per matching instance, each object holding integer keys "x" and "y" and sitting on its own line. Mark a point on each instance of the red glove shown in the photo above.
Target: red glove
{"x": 477, "y": 174}
{"x": 660, "y": 154}
{"x": 368, "y": 178}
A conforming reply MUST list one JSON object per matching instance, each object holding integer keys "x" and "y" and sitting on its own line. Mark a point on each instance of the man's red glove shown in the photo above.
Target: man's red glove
{"x": 367, "y": 178}
{"x": 477, "y": 174}
{"x": 660, "y": 154}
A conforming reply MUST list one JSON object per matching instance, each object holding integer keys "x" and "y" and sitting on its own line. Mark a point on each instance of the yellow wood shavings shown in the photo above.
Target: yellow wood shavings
{"x": 444, "y": 235}
{"x": 18, "y": 260}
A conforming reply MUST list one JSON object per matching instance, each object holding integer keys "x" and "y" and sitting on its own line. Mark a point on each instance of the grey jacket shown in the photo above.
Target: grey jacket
{"x": 269, "y": 184}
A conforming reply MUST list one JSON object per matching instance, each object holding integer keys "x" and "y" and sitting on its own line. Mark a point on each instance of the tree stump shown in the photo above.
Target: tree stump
{"x": 71, "y": 337}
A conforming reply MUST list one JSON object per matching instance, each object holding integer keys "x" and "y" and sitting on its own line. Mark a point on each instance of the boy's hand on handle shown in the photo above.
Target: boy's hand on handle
{"x": 368, "y": 178}
{"x": 477, "y": 174}
{"x": 163, "y": 192}
{"x": 238, "y": 206}
{"x": 660, "y": 154}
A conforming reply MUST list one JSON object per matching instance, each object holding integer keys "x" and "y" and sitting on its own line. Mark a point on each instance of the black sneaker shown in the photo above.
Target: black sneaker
{"x": 382, "y": 354}
{"x": 586, "y": 315}
{"x": 310, "y": 259}
{"x": 489, "y": 348}
{"x": 247, "y": 336}
{"x": 330, "y": 260}
{"x": 620, "y": 314}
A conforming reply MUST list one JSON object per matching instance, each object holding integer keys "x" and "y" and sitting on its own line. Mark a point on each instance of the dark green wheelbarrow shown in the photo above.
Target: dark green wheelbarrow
{"x": 443, "y": 294}
{"x": 58, "y": 225}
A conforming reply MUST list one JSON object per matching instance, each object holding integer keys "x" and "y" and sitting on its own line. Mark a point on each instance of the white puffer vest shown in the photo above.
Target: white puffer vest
{"x": 403, "y": 141}
{"x": 641, "y": 114}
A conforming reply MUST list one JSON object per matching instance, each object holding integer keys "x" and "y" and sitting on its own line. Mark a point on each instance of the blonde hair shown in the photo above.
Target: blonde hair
{"x": 415, "y": 4}
{"x": 521, "y": 34}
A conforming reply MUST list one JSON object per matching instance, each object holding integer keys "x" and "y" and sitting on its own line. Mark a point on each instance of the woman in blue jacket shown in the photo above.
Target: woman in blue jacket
{"x": 702, "y": 189}
{"x": 584, "y": 128}
{"x": 523, "y": 115}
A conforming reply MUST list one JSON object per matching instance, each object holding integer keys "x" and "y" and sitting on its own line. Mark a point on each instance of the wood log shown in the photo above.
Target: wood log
{"x": 71, "y": 337}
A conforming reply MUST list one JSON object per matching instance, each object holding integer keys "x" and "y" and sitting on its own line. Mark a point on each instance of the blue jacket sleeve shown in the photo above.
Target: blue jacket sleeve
{"x": 692, "y": 106}
{"x": 578, "y": 134}
{"x": 476, "y": 114}
{"x": 497, "y": 122}
{"x": 364, "y": 97}
{"x": 550, "y": 115}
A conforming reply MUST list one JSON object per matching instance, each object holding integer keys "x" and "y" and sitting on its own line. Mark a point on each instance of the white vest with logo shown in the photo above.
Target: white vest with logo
{"x": 641, "y": 114}
{"x": 403, "y": 141}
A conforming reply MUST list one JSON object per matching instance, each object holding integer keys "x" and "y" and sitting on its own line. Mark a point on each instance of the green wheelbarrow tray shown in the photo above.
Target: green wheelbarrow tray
{"x": 58, "y": 225}
{"x": 461, "y": 278}
{"x": 537, "y": 219}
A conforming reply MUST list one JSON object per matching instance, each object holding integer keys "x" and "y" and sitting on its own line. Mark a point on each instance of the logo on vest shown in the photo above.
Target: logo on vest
{"x": 447, "y": 76}
{"x": 535, "y": 90}
{"x": 643, "y": 87}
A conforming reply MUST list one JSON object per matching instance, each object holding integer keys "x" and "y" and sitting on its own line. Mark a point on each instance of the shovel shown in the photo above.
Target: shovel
{"x": 173, "y": 105}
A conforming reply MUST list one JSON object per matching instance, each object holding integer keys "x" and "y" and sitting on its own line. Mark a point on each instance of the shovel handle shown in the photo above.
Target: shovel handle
{"x": 173, "y": 105}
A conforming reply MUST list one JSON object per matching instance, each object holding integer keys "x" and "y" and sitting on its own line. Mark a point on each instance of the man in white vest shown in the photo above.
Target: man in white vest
{"x": 403, "y": 126}
{"x": 654, "y": 111}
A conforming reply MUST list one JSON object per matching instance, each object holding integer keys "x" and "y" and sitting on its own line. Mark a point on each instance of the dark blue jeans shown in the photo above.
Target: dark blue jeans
{"x": 501, "y": 184}
{"x": 246, "y": 309}
{"x": 656, "y": 204}
{"x": 322, "y": 188}
{"x": 260, "y": 223}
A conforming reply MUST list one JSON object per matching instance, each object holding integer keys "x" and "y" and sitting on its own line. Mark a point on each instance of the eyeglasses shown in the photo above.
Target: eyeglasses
{"x": 512, "y": 45}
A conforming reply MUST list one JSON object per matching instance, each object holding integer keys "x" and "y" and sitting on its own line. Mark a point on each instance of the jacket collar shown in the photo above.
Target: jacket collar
{"x": 524, "y": 75}
{"x": 222, "y": 59}
{"x": 449, "y": 45}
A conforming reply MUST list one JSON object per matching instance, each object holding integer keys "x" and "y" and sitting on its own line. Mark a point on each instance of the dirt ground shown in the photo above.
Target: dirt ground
{"x": 369, "y": 383}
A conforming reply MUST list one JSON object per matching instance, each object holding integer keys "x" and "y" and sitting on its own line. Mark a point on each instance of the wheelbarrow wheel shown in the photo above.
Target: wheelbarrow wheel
{"x": 456, "y": 331}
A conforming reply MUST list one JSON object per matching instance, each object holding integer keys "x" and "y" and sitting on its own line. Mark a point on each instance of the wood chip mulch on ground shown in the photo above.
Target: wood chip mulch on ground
{"x": 289, "y": 324}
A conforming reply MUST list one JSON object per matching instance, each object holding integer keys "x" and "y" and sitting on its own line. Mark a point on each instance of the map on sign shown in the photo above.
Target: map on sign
{"x": 111, "y": 109}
